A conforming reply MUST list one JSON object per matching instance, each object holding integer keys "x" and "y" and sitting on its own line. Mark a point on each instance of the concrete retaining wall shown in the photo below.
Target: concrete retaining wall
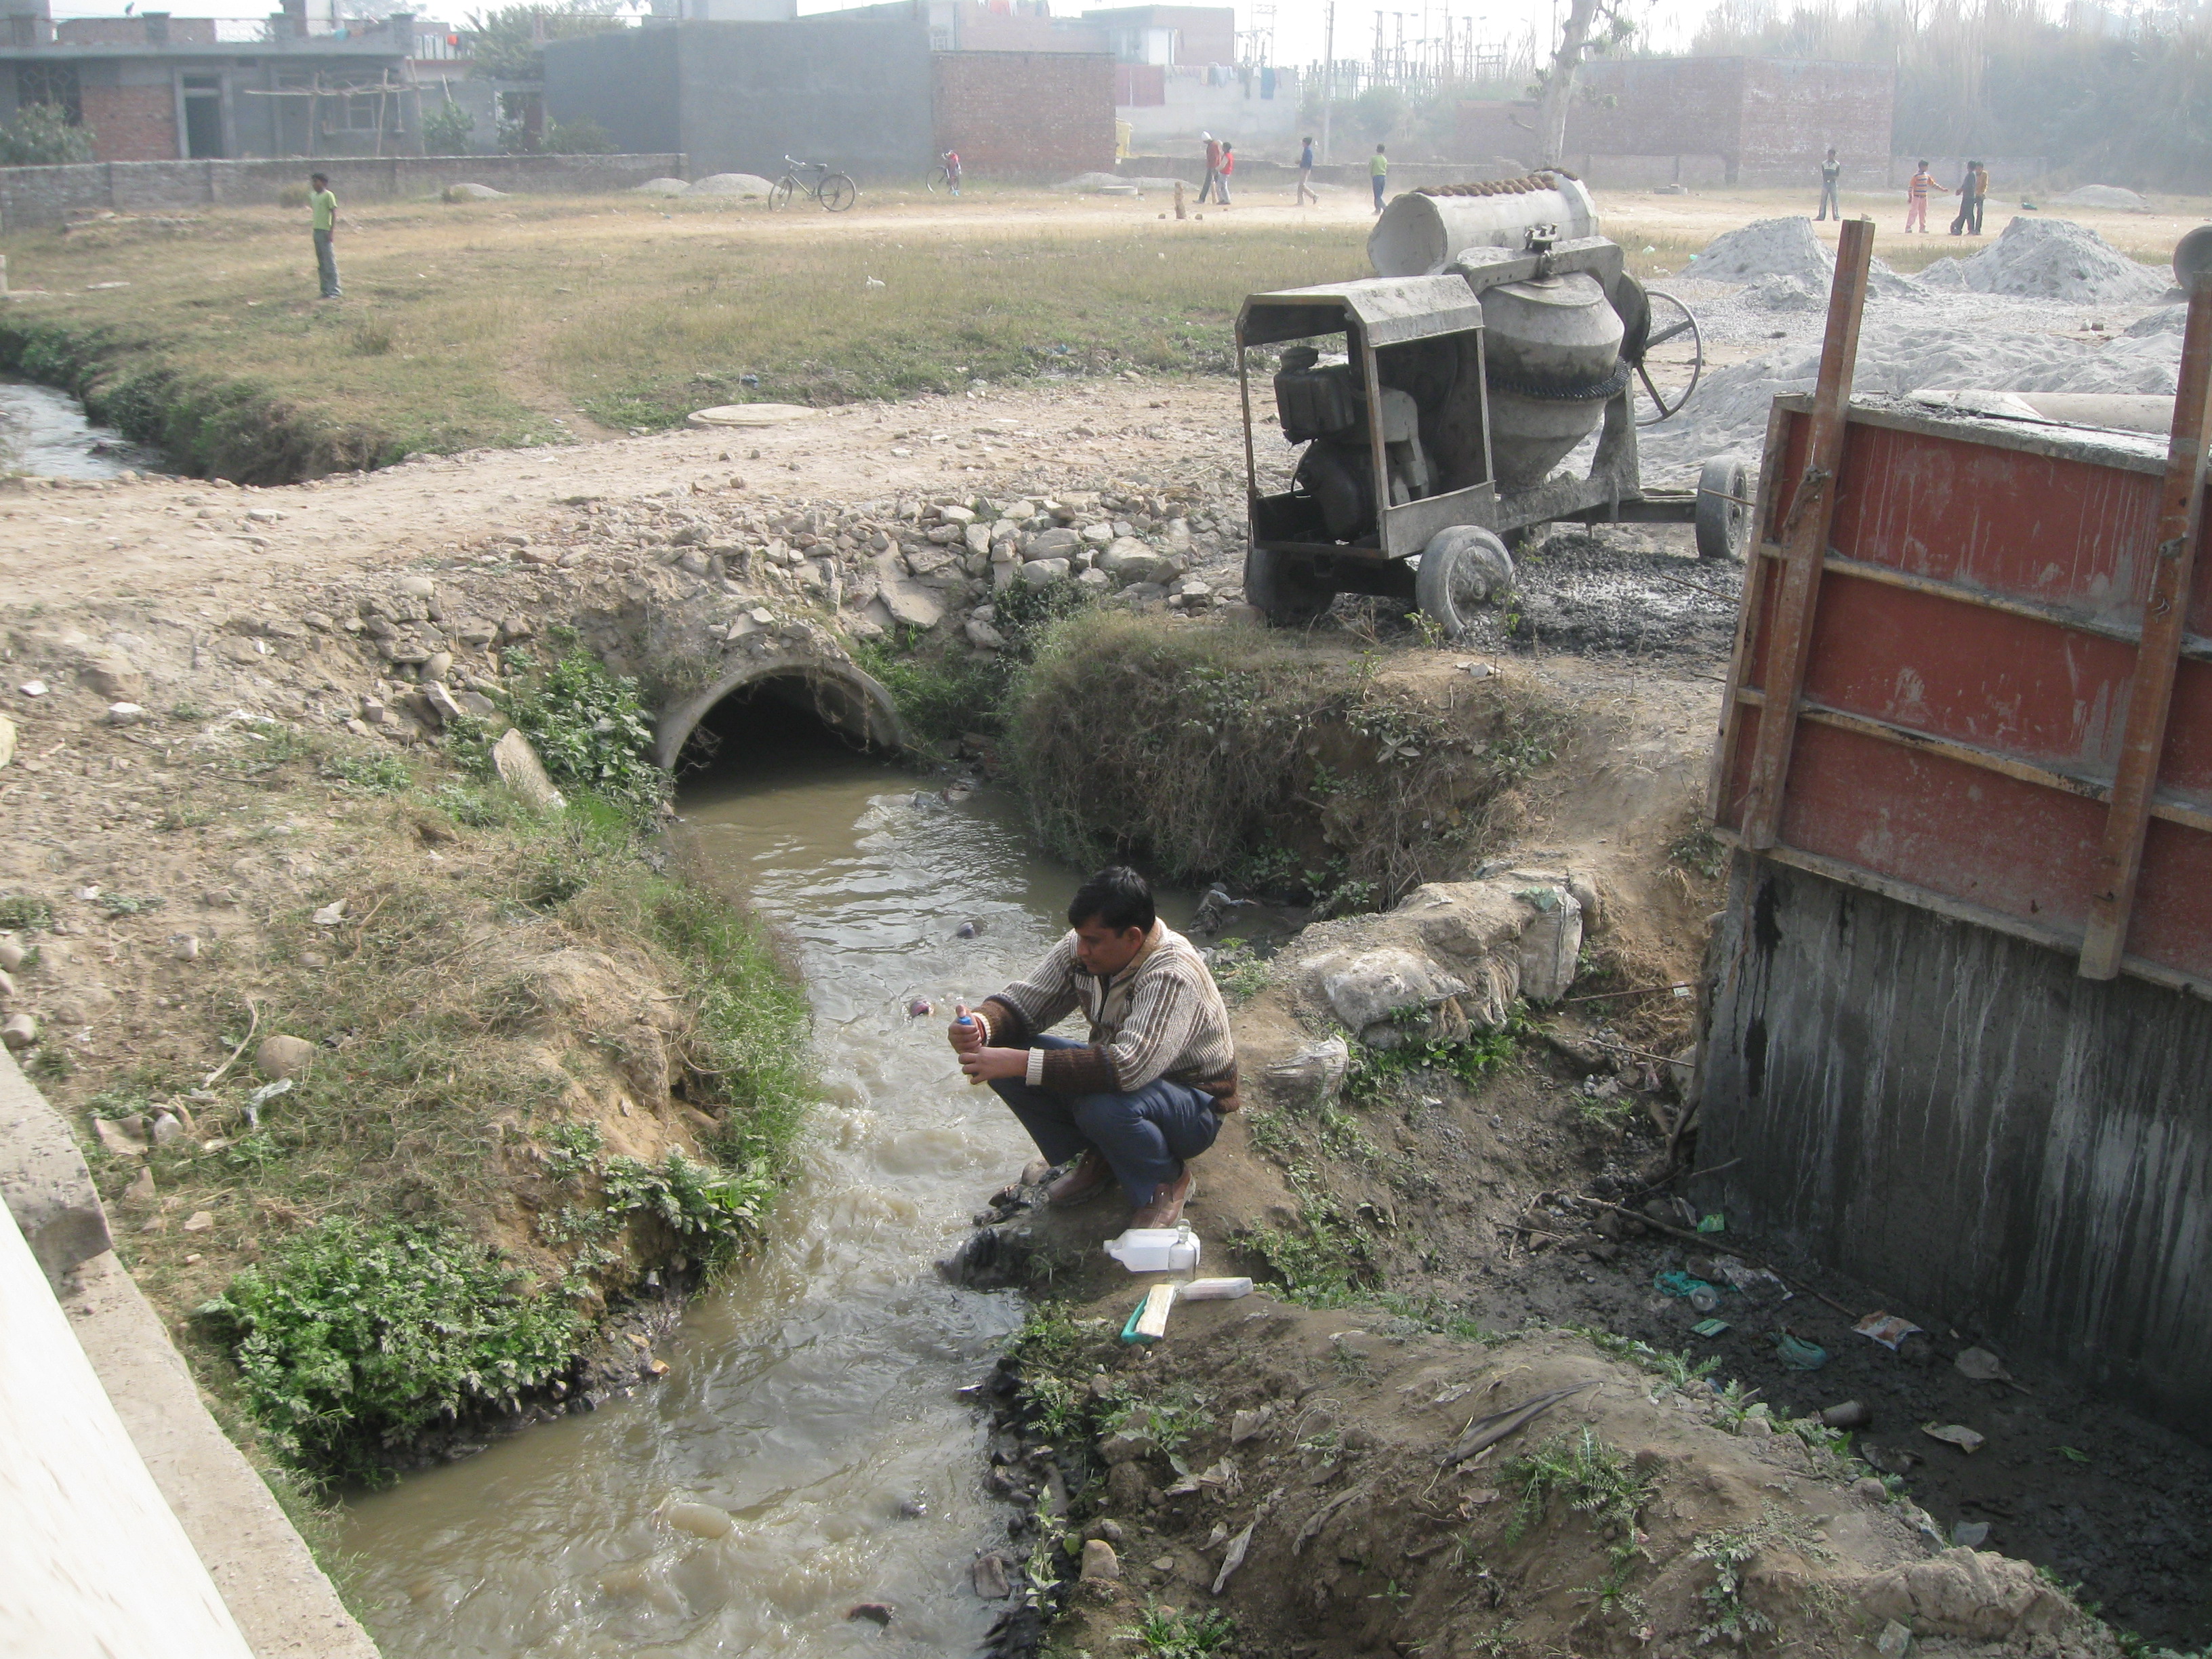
{"x": 95, "y": 1561}
{"x": 2019, "y": 1152}
{"x": 49, "y": 196}
{"x": 131, "y": 1524}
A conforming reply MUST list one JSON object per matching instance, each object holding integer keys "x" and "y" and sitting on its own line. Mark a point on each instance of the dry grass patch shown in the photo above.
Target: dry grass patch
{"x": 1223, "y": 751}
{"x": 516, "y": 322}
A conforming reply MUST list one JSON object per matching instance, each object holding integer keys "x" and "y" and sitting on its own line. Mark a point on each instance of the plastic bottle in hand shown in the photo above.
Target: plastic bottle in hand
{"x": 968, "y": 1020}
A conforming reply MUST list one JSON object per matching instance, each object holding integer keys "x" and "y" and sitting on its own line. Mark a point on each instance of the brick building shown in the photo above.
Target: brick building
{"x": 863, "y": 90}
{"x": 1025, "y": 115}
{"x": 154, "y": 89}
{"x": 1706, "y": 121}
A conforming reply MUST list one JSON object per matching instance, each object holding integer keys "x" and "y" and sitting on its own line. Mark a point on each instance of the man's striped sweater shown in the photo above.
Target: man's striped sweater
{"x": 1161, "y": 1017}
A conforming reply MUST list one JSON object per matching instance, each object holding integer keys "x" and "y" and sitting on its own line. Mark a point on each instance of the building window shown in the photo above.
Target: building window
{"x": 51, "y": 83}
{"x": 363, "y": 112}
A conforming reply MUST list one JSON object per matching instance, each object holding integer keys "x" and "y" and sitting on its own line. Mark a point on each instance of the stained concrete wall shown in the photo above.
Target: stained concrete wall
{"x": 94, "y": 1401}
{"x": 853, "y": 92}
{"x": 94, "y": 1561}
{"x": 1955, "y": 1114}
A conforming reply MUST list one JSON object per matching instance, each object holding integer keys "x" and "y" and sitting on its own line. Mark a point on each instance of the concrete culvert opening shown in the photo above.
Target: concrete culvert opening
{"x": 771, "y": 710}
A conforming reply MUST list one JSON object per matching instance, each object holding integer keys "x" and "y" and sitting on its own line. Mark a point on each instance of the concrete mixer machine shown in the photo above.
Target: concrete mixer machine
{"x": 1434, "y": 401}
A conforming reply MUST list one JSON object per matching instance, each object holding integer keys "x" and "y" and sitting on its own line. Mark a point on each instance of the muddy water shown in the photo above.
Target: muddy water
{"x": 44, "y": 433}
{"x": 811, "y": 1396}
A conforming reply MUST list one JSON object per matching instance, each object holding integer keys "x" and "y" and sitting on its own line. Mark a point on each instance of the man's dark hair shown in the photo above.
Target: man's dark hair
{"x": 1117, "y": 895}
{"x": 318, "y": 178}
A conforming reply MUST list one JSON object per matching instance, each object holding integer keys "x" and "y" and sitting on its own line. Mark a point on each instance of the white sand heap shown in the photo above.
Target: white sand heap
{"x": 1788, "y": 250}
{"x": 661, "y": 187}
{"x": 2104, "y": 195}
{"x": 2051, "y": 260}
{"x": 746, "y": 186}
{"x": 1728, "y": 415}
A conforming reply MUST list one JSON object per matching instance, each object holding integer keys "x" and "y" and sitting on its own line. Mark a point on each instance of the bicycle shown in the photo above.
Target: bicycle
{"x": 945, "y": 179}
{"x": 834, "y": 190}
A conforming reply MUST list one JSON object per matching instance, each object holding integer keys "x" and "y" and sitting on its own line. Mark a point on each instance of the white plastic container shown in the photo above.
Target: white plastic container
{"x": 1156, "y": 1249}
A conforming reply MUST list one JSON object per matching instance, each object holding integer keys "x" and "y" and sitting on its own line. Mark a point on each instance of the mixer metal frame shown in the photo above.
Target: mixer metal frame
{"x": 1374, "y": 313}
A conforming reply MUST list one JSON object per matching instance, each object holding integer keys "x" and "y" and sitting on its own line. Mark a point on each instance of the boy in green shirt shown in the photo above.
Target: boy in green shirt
{"x": 1378, "y": 174}
{"x": 324, "y": 207}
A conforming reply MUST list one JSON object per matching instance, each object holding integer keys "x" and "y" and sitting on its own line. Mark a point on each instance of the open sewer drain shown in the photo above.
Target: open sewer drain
{"x": 811, "y": 1397}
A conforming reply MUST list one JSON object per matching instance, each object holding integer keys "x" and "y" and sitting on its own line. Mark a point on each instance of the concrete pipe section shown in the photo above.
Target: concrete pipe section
{"x": 1420, "y": 231}
{"x": 847, "y": 701}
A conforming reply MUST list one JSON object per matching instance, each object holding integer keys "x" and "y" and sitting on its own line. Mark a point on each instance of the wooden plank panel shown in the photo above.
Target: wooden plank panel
{"x": 1968, "y": 834}
{"x": 1956, "y": 669}
{"x": 2066, "y": 533}
{"x": 1804, "y": 535}
{"x": 2172, "y": 552}
{"x": 2173, "y": 916}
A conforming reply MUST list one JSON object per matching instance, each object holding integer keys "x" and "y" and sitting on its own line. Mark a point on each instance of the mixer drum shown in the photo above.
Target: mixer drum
{"x": 1552, "y": 359}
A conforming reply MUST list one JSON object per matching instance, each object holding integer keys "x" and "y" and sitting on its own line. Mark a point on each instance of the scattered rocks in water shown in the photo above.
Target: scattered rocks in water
{"x": 876, "y": 1612}
{"x": 920, "y": 1008}
{"x": 700, "y": 1520}
{"x": 989, "y": 1576}
{"x": 968, "y": 930}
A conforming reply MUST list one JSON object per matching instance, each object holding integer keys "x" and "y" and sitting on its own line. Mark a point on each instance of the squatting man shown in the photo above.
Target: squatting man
{"x": 1145, "y": 1094}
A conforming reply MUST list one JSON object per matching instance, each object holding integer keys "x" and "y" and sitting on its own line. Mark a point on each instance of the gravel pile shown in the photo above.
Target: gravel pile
{"x": 2051, "y": 260}
{"x": 1790, "y": 251}
{"x": 1611, "y": 592}
{"x": 2103, "y": 195}
{"x": 1898, "y": 356}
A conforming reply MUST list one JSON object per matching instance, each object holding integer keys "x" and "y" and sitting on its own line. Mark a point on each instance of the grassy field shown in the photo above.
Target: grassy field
{"x": 532, "y": 319}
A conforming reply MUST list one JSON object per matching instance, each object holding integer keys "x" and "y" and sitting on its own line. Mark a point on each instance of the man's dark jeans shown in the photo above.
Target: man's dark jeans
{"x": 1145, "y": 1134}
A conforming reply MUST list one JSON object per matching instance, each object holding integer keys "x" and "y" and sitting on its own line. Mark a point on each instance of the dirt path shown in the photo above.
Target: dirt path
{"x": 159, "y": 538}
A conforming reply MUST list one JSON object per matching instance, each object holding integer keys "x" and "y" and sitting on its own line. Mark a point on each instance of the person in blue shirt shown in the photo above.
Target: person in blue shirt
{"x": 1305, "y": 177}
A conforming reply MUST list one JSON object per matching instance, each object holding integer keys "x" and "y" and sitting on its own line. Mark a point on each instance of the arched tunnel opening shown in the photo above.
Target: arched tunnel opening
{"x": 775, "y": 715}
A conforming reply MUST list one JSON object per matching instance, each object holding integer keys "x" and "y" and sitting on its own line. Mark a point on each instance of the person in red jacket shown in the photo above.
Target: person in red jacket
{"x": 1227, "y": 166}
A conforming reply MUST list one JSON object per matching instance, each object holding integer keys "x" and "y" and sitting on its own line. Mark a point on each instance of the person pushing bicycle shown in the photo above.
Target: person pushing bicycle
{"x": 951, "y": 160}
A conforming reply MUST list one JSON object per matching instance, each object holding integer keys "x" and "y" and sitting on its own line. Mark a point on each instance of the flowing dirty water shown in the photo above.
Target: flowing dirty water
{"x": 812, "y": 1396}
{"x": 47, "y": 433}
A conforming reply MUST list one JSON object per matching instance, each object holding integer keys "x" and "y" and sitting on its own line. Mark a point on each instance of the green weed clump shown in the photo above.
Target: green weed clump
{"x": 941, "y": 697}
{"x": 1166, "y": 1633}
{"x": 1594, "y": 1478}
{"x": 351, "y": 1340}
{"x": 592, "y": 731}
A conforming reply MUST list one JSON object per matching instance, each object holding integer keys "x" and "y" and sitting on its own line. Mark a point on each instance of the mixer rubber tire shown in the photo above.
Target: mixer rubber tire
{"x": 1283, "y": 589}
{"x": 1459, "y": 569}
{"x": 1723, "y": 512}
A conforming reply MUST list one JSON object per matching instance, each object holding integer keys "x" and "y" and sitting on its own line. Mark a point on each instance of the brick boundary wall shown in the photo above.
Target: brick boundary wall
{"x": 50, "y": 195}
{"x": 132, "y": 120}
{"x": 1028, "y": 116}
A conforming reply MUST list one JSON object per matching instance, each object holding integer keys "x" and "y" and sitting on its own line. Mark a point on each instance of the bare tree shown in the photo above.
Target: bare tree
{"x": 1592, "y": 26}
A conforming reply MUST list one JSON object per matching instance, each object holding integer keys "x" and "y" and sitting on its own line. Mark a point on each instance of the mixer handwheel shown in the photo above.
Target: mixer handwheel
{"x": 1673, "y": 357}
